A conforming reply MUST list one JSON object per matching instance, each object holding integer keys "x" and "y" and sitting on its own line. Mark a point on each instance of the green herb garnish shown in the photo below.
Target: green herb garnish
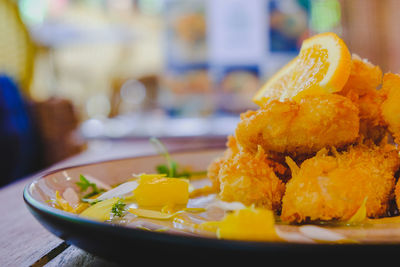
{"x": 84, "y": 185}
{"x": 118, "y": 208}
{"x": 171, "y": 168}
{"x": 172, "y": 171}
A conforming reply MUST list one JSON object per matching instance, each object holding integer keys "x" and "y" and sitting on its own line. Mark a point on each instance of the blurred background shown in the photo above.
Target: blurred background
{"x": 76, "y": 71}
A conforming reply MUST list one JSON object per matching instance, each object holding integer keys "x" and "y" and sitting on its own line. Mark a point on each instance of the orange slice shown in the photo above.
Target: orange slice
{"x": 322, "y": 66}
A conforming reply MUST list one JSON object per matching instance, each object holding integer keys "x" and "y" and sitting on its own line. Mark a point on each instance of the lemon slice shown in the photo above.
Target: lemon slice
{"x": 322, "y": 66}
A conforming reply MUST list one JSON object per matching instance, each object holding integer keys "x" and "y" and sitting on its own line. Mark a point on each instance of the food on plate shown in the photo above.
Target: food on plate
{"x": 361, "y": 89}
{"x": 100, "y": 211}
{"x": 379, "y": 109}
{"x": 332, "y": 131}
{"x": 333, "y": 185}
{"x": 248, "y": 224}
{"x": 214, "y": 168}
{"x": 364, "y": 78}
{"x": 320, "y": 149}
{"x": 251, "y": 179}
{"x": 157, "y": 190}
{"x": 391, "y": 105}
{"x": 298, "y": 128}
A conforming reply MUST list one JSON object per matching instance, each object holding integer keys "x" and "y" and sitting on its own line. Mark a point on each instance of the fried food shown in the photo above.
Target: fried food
{"x": 215, "y": 166}
{"x": 390, "y": 107}
{"x": 307, "y": 124}
{"x": 364, "y": 78}
{"x": 251, "y": 179}
{"x": 379, "y": 110}
{"x": 361, "y": 89}
{"x": 333, "y": 187}
{"x": 299, "y": 128}
{"x": 247, "y": 177}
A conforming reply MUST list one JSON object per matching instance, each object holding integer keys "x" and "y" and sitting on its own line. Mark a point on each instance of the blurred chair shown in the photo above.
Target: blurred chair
{"x": 57, "y": 122}
{"x": 16, "y": 46}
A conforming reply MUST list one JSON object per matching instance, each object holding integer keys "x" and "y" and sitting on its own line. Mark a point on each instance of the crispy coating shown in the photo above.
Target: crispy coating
{"x": 361, "y": 89}
{"x": 215, "y": 166}
{"x": 299, "y": 128}
{"x": 333, "y": 187}
{"x": 328, "y": 185}
{"x": 391, "y": 106}
{"x": 364, "y": 78}
{"x": 372, "y": 125}
{"x": 247, "y": 177}
{"x": 250, "y": 178}
{"x": 379, "y": 110}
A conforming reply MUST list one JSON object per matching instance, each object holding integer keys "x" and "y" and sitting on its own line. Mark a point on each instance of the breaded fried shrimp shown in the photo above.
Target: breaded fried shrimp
{"x": 391, "y": 106}
{"x": 251, "y": 179}
{"x": 215, "y": 166}
{"x": 299, "y": 128}
{"x": 333, "y": 187}
{"x": 361, "y": 89}
{"x": 364, "y": 78}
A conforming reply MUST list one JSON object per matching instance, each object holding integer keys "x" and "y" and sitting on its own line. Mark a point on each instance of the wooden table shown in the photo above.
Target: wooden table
{"x": 24, "y": 242}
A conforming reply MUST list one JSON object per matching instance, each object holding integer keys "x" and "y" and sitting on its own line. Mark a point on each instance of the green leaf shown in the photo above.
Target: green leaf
{"x": 162, "y": 169}
{"x": 100, "y": 211}
{"x": 118, "y": 209}
{"x": 162, "y": 150}
{"x": 170, "y": 169}
{"x": 174, "y": 167}
{"x": 84, "y": 185}
{"x": 93, "y": 193}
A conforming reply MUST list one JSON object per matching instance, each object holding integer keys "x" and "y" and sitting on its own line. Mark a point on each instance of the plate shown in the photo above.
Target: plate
{"x": 124, "y": 244}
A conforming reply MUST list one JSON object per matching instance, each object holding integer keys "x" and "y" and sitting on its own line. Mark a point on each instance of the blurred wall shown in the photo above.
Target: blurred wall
{"x": 371, "y": 29}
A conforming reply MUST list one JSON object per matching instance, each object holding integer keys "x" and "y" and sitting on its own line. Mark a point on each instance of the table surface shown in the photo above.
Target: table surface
{"x": 24, "y": 242}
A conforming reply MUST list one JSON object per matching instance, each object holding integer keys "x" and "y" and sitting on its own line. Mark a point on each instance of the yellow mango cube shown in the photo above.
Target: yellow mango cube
{"x": 252, "y": 224}
{"x": 160, "y": 191}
